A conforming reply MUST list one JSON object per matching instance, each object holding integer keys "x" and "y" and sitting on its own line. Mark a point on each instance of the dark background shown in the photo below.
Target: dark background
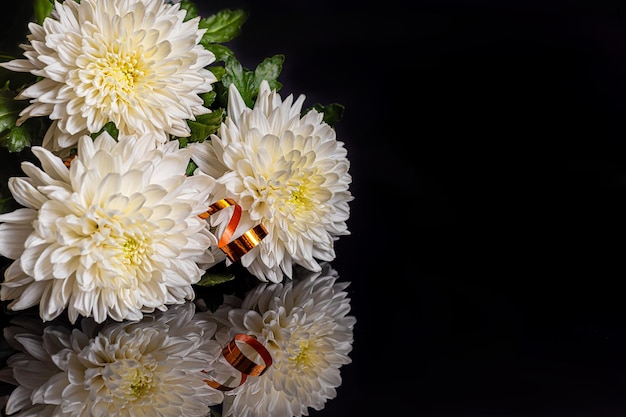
{"x": 487, "y": 142}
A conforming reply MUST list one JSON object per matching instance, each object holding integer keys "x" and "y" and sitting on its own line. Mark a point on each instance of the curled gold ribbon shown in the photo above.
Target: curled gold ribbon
{"x": 235, "y": 357}
{"x": 244, "y": 243}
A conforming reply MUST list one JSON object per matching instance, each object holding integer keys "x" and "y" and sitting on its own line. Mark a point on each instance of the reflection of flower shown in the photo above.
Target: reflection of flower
{"x": 305, "y": 326}
{"x": 287, "y": 172}
{"x": 132, "y": 62}
{"x": 153, "y": 367}
{"x": 116, "y": 235}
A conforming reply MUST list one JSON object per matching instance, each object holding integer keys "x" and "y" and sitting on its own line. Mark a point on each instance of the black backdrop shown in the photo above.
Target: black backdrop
{"x": 487, "y": 146}
{"x": 487, "y": 142}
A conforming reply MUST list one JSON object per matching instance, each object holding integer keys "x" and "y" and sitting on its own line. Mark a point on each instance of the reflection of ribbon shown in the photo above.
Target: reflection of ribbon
{"x": 241, "y": 362}
{"x": 244, "y": 243}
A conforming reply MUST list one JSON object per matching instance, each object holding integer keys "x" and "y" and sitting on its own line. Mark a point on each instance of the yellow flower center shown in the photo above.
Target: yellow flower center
{"x": 140, "y": 384}
{"x": 119, "y": 73}
{"x": 132, "y": 250}
{"x": 298, "y": 198}
{"x": 302, "y": 358}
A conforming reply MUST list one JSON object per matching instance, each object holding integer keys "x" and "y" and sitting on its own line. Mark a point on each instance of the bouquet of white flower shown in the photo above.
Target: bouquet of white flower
{"x": 167, "y": 220}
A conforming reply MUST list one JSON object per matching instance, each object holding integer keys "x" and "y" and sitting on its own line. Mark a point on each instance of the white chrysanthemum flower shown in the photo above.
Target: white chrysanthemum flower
{"x": 117, "y": 234}
{"x": 136, "y": 63}
{"x": 288, "y": 173}
{"x": 154, "y": 367}
{"x": 305, "y": 326}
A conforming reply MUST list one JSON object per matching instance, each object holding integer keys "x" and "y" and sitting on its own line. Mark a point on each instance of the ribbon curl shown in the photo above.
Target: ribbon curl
{"x": 238, "y": 360}
{"x": 244, "y": 243}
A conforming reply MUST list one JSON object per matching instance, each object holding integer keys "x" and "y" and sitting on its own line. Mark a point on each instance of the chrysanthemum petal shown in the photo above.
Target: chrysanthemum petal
{"x": 115, "y": 235}
{"x": 287, "y": 172}
{"x": 136, "y": 63}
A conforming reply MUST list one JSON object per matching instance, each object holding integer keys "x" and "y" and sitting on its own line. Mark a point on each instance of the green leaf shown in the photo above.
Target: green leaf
{"x": 242, "y": 78}
{"x": 218, "y": 71}
{"x": 43, "y": 8}
{"x": 221, "y": 52}
{"x": 332, "y": 112}
{"x": 182, "y": 143}
{"x": 110, "y": 128}
{"x": 191, "y": 9}
{"x": 269, "y": 70}
{"x": 223, "y": 26}
{"x": 191, "y": 167}
{"x": 9, "y": 108}
{"x": 11, "y": 167}
{"x": 17, "y": 139}
{"x": 204, "y": 125}
{"x": 248, "y": 82}
{"x": 208, "y": 98}
{"x": 211, "y": 278}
